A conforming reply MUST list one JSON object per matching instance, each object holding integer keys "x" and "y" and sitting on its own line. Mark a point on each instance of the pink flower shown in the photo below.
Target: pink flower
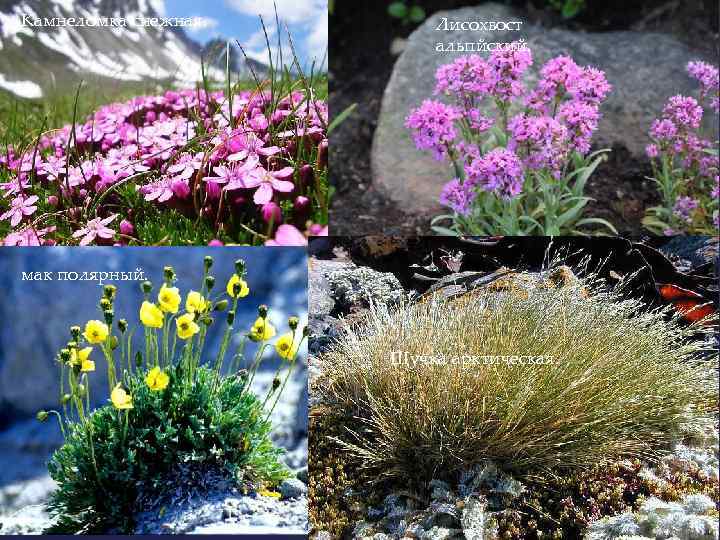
{"x": 457, "y": 196}
{"x": 20, "y": 207}
{"x": 267, "y": 182}
{"x": 287, "y": 235}
{"x": 96, "y": 228}
{"x": 499, "y": 171}
{"x": 28, "y": 237}
{"x": 318, "y": 230}
{"x": 433, "y": 127}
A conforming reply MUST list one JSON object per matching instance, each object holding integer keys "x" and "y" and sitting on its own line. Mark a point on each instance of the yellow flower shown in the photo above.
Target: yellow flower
{"x": 78, "y": 357}
{"x": 262, "y": 330}
{"x": 120, "y": 398}
{"x": 195, "y": 303}
{"x": 244, "y": 290}
{"x": 87, "y": 365}
{"x": 267, "y": 493}
{"x": 157, "y": 379}
{"x": 169, "y": 299}
{"x": 285, "y": 346}
{"x": 96, "y": 331}
{"x": 186, "y": 326}
{"x": 150, "y": 315}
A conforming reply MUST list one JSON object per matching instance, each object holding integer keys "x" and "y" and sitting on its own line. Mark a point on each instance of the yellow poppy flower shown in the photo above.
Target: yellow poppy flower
{"x": 285, "y": 346}
{"x": 87, "y": 366}
{"x": 150, "y": 315}
{"x": 120, "y": 398}
{"x": 186, "y": 326}
{"x": 169, "y": 299}
{"x": 78, "y": 357}
{"x": 244, "y": 289}
{"x": 157, "y": 379}
{"x": 195, "y": 303}
{"x": 268, "y": 493}
{"x": 96, "y": 331}
{"x": 261, "y": 330}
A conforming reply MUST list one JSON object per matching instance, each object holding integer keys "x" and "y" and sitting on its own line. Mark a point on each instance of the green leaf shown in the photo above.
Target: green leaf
{"x": 573, "y": 213}
{"x": 597, "y": 221}
{"x": 417, "y": 14}
{"x": 443, "y": 231}
{"x": 340, "y": 118}
{"x": 398, "y": 10}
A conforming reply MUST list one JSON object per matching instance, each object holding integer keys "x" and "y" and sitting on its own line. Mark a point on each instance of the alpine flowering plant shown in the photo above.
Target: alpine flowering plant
{"x": 172, "y": 404}
{"x": 686, "y": 165}
{"x": 189, "y": 166}
{"x": 520, "y": 156}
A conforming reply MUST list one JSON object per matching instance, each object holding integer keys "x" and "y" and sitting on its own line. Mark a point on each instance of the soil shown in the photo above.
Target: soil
{"x": 361, "y": 65}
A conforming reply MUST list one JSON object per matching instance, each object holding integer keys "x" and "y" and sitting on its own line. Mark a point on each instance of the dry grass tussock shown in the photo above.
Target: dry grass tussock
{"x": 624, "y": 381}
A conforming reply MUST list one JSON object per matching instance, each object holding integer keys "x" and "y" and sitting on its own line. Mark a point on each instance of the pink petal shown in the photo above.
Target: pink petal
{"x": 283, "y": 173}
{"x": 263, "y": 194}
{"x": 287, "y": 235}
{"x": 88, "y": 238}
{"x": 282, "y": 185}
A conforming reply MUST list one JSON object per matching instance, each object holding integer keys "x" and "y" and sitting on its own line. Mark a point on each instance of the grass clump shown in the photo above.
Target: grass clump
{"x": 174, "y": 406}
{"x": 617, "y": 381}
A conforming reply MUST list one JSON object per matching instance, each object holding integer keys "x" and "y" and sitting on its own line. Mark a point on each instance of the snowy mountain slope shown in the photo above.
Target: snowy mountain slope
{"x": 35, "y": 59}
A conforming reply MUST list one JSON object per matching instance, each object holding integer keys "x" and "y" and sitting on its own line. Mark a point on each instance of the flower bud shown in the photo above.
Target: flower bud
{"x": 230, "y": 317}
{"x": 262, "y": 310}
{"x": 80, "y": 388}
{"x": 293, "y": 323}
{"x": 215, "y": 243}
{"x": 242, "y": 375}
{"x": 322, "y": 155}
{"x": 65, "y": 355}
{"x": 113, "y": 342}
{"x": 105, "y": 304}
{"x": 307, "y": 175}
{"x": 146, "y": 287}
{"x": 276, "y": 383}
{"x": 109, "y": 292}
{"x": 240, "y": 267}
{"x": 207, "y": 321}
{"x": 126, "y": 228}
{"x": 301, "y": 209}
{"x": 306, "y": 331}
{"x": 75, "y": 332}
{"x": 271, "y": 212}
{"x": 169, "y": 274}
{"x": 122, "y": 325}
{"x": 221, "y": 305}
{"x": 108, "y": 314}
{"x": 53, "y": 200}
{"x": 209, "y": 282}
{"x": 42, "y": 416}
{"x": 65, "y": 398}
{"x": 208, "y": 262}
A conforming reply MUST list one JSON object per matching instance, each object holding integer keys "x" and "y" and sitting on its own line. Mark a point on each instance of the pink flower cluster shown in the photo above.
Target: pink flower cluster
{"x": 196, "y": 152}
{"x": 676, "y": 138}
{"x": 558, "y": 117}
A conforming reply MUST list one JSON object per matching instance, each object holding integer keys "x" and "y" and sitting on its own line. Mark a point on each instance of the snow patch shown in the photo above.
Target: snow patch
{"x": 26, "y": 89}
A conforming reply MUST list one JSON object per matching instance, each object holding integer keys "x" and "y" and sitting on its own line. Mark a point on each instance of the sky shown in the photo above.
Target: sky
{"x": 307, "y": 21}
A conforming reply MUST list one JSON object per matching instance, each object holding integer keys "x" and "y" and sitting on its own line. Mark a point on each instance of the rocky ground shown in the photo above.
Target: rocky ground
{"x": 343, "y": 286}
{"x": 219, "y": 510}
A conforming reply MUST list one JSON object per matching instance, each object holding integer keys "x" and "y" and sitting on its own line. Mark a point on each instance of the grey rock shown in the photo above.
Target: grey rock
{"x": 292, "y": 488}
{"x": 25, "y": 493}
{"x": 441, "y": 533}
{"x": 359, "y": 287}
{"x": 476, "y": 523}
{"x": 444, "y": 515}
{"x": 642, "y": 81}
{"x": 302, "y": 475}
{"x": 440, "y": 491}
{"x": 29, "y": 520}
{"x": 362, "y": 529}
